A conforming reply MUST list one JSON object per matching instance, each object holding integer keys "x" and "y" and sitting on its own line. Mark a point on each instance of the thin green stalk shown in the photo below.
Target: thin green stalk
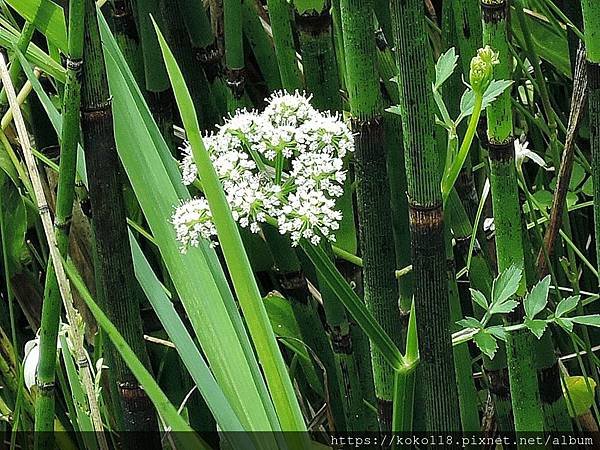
{"x": 112, "y": 254}
{"x": 234, "y": 52}
{"x": 436, "y": 367}
{"x": 524, "y": 388}
{"x": 44, "y": 407}
{"x": 280, "y": 17}
{"x": 178, "y": 38}
{"x": 126, "y": 33}
{"x": 314, "y": 26}
{"x": 159, "y": 96}
{"x": 591, "y": 20}
{"x": 373, "y": 193}
{"x": 15, "y": 68}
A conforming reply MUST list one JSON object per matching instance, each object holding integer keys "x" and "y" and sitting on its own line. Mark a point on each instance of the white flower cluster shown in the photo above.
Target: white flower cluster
{"x": 285, "y": 163}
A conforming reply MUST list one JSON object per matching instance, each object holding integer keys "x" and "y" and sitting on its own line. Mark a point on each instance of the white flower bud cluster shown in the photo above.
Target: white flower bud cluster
{"x": 306, "y": 145}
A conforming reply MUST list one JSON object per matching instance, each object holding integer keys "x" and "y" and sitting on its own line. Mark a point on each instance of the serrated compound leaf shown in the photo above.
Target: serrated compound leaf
{"x": 504, "y": 308}
{"x": 567, "y": 305}
{"x": 537, "y": 299}
{"x": 445, "y": 67}
{"x": 497, "y": 331}
{"x": 579, "y": 394}
{"x": 506, "y": 285}
{"x": 592, "y": 320}
{"x": 494, "y": 90}
{"x": 536, "y": 326}
{"x": 565, "y": 324}
{"x": 479, "y": 298}
{"x": 486, "y": 343}
{"x": 467, "y": 103}
{"x": 469, "y": 322}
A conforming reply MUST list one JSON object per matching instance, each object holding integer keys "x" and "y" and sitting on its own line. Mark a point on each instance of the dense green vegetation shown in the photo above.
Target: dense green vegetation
{"x": 302, "y": 216}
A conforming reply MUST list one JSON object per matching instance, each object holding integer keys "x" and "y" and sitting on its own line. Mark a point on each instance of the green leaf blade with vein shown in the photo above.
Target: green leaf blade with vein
{"x": 355, "y": 306}
{"x": 47, "y": 17}
{"x": 479, "y": 298}
{"x": 276, "y": 374}
{"x": 536, "y": 326}
{"x": 184, "y": 344}
{"x": 592, "y": 320}
{"x": 197, "y": 275}
{"x": 486, "y": 342}
{"x": 164, "y": 407}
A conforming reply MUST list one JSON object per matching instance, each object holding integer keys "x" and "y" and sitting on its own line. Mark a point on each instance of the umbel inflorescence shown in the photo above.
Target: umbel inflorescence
{"x": 284, "y": 165}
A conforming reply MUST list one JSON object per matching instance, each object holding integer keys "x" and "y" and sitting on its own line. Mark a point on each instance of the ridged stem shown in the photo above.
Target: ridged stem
{"x": 591, "y": 20}
{"x": 234, "y": 53}
{"x": 70, "y": 134}
{"x": 373, "y": 192}
{"x": 280, "y": 15}
{"x": 436, "y": 367}
{"x": 113, "y": 259}
{"x": 524, "y": 390}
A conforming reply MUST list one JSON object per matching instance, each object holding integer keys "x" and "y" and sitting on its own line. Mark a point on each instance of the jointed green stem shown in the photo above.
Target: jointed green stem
{"x": 44, "y": 421}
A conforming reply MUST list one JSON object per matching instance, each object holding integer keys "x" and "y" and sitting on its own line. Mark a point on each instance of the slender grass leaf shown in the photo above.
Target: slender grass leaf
{"x": 355, "y": 306}
{"x": 48, "y": 18}
{"x": 276, "y": 374}
{"x": 84, "y": 420}
{"x": 286, "y": 327}
{"x": 52, "y": 113}
{"x": 169, "y": 173}
{"x": 9, "y": 38}
{"x": 205, "y": 296}
{"x": 164, "y": 407}
{"x": 187, "y": 350}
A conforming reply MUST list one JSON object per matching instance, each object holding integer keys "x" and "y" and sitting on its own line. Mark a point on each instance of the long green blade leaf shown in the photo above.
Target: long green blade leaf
{"x": 48, "y": 18}
{"x": 270, "y": 357}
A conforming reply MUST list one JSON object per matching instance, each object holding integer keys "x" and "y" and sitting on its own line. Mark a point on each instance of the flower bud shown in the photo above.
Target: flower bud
{"x": 482, "y": 69}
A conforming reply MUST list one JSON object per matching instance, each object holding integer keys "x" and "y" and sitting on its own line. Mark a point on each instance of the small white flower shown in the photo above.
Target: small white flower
{"x": 246, "y": 151}
{"x": 522, "y": 152}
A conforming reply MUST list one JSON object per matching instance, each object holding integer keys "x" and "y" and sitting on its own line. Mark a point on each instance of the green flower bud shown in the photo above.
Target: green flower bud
{"x": 482, "y": 69}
